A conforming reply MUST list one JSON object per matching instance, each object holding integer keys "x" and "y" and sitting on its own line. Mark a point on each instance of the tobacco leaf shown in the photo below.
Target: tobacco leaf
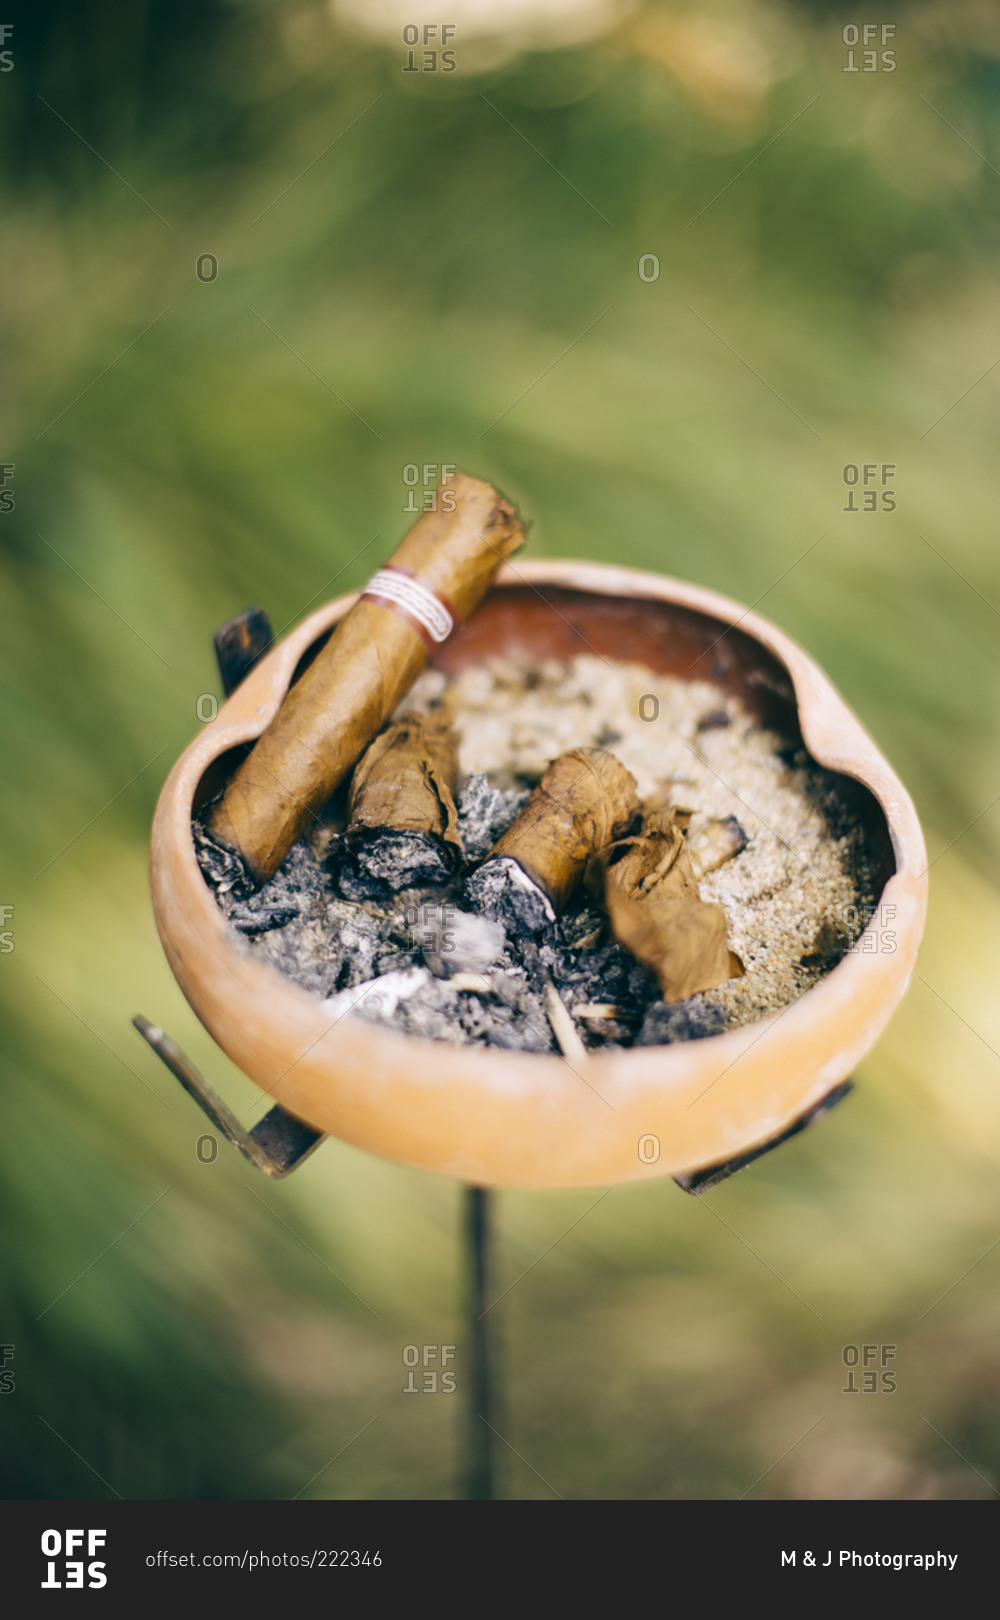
{"x": 649, "y": 891}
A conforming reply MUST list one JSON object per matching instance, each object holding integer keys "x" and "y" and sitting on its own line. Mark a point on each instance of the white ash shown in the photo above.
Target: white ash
{"x": 390, "y": 961}
{"x": 325, "y": 943}
{"x": 381, "y": 997}
{"x": 502, "y": 889}
{"x": 454, "y": 941}
{"x": 395, "y": 962}
{"x": 786, "y": 895}
{"x": 508, "y": 1015}
{"x": 485, "y": 812}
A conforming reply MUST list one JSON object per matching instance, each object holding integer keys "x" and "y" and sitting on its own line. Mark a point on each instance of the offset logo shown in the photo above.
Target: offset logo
{"x": 64, "y": 1568}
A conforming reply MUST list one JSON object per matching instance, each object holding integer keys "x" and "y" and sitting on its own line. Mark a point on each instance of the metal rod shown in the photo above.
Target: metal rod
{"x": 278, "y": 1143}
{"x": 480, "y": 1482}
{"x": 700, "y": 1181}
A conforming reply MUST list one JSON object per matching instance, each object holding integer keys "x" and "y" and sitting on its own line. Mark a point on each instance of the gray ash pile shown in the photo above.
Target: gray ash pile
{"x": 421, "y": 960}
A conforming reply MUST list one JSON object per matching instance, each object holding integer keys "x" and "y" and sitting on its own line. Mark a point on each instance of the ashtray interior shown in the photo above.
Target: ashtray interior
{"x": 783, "y": 908}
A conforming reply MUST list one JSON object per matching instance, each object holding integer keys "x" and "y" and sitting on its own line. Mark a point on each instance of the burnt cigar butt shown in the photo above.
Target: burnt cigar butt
{"x": 649, "y": 891}
{"x": 402, "y": 831}
{"x": 439, "y": 573}
{"x": 585, "y": 800}
{"x": 502, "y": 889}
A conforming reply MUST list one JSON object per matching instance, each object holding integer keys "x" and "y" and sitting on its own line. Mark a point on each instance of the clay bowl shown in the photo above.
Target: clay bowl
{"x": 500, "y": 1118}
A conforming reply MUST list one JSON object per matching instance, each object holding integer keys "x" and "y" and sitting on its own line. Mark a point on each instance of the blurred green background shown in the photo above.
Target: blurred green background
{"x": 402, "y": 257}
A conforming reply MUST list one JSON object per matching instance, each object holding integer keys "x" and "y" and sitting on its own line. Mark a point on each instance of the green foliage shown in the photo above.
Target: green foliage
{"x": 400, "y": 268}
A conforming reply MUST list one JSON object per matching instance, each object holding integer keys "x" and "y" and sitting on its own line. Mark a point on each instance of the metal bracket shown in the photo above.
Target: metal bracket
{"x": 699, "y": 1181}
{"x": 278, "y": 1144}
{"x": 239, "y": 643}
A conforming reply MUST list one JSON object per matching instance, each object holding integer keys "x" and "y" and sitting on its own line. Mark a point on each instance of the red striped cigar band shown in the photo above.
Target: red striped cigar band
{"x": 425, "y": 609}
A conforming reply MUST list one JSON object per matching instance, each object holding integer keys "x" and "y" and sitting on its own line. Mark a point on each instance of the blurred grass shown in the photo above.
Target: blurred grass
{"x": 430, "y": 268}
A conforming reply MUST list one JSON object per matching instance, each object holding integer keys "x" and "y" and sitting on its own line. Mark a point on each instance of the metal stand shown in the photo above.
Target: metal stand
{"x": 480, "y": 1451}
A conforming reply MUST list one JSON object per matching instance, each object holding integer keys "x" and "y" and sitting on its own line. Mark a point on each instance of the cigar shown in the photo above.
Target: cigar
{"x": 585, "y": 800}
{"x": 402, "y": 831}
{"x": 648, "y": 888}
{"x": 440, "y": 572}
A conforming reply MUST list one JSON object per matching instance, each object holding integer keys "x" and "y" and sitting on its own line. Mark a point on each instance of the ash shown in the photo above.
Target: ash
{"x": 422, "y": 961}
{"x": 484, "y": 813}
{"x": 382, "y": 863}
{"x": 456, "y": 962}
{"x": 502, "y": 889}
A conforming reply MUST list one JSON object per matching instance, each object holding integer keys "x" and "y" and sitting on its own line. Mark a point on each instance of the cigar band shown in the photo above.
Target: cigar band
{"x": 430, "y": 613}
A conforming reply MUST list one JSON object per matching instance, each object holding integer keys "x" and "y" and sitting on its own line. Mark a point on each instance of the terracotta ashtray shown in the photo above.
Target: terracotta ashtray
{"x": 494, "y": 1117}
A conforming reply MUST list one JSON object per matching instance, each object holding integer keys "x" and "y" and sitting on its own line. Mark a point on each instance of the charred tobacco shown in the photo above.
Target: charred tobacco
{"x": 484, "y": 812}
{"x": 380, "y": 861}
{"x": 502, "y": 889}
{"x": 690, "y": 1020}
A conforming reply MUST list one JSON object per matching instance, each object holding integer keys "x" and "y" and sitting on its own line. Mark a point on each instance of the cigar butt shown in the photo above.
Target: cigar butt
{"x": 716, "y": 844}
{"x": 439, "y": 573}
{"x": 402, "y": 831}
{"x": 649, "y": 890}
{"x": 585, "y": 800}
